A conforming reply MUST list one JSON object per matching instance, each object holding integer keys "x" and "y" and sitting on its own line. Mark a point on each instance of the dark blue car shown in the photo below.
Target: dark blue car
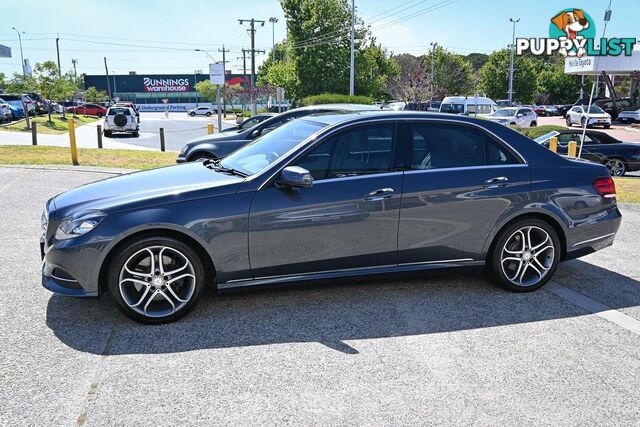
{"x": 329, "y": 196}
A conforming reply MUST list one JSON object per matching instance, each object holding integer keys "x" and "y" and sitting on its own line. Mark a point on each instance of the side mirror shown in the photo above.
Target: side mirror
{"x": 295, "y": 177}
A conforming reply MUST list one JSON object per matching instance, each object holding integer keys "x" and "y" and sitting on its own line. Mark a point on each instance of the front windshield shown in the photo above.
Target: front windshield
{"x": 595, "y": 110}
{"x": 452, "y": 108}
{"x": 262, "y": 152}
{"x": 504, "y": 113}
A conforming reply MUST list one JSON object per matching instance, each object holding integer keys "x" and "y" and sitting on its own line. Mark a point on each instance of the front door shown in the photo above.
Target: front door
{"x": 347, "y": 220}
{"x": 462, "y": 181}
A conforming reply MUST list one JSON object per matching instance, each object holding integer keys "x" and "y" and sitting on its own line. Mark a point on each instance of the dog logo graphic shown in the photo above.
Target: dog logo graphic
{"x": 574, "y": 25}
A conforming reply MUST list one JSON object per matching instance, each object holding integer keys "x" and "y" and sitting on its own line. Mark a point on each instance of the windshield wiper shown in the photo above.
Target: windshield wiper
{"x": 217, "y": 166}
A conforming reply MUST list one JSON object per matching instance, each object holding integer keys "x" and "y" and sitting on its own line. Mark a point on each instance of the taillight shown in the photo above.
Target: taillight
{"x": 605, "y": 186}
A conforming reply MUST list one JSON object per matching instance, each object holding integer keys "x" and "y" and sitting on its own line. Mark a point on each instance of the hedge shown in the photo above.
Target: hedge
{"x": 335, "y": 98}
{"x": 537, "y": 131}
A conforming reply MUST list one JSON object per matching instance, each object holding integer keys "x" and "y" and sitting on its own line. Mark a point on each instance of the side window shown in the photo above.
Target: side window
{"x": 360, "y": 151}
{"x": 497, "y": 154}
{"x": 439, "y": 145}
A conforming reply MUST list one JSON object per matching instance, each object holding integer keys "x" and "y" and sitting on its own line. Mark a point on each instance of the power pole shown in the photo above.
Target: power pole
{"x": 511, "y": 67}
{"x": 273, "y": 21}
{"x": 24, "y": 74}
{"x": 352, "y": 72}
{"x": 244, "y": 69}
{"x": 106, "y": 73}
{"x": 252, "y": 33}
{"x": 433, "y": 69}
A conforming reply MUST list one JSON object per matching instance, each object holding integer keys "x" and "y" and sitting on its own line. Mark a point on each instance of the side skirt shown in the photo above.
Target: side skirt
{"x": 355, "y": 272}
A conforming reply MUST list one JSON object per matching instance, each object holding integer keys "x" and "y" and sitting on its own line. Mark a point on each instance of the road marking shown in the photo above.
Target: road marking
{"x": 611, "y": 314}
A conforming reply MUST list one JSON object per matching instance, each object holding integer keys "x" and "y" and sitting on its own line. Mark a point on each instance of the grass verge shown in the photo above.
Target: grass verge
{"x": 57, "y": 125}
{"x": 628, "y": 190}
{"x": 129, "y": 159}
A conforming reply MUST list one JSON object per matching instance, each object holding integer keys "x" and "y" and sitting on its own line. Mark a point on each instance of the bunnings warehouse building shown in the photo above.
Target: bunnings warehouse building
{"x": 149, "y": 90}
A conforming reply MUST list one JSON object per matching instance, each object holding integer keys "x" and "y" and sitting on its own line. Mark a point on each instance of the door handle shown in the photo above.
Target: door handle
{"x": 377, "y": 195}
{"x": 497, "y": 182}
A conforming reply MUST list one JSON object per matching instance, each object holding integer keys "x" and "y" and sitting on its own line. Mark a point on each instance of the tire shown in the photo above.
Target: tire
{"x": 200, "y": 157}
{"x": 583, "y": 121}
{"x": 192, "y": 114}
{"x": 135, "y": 134}
{"x": 607, "y": 126}
{"x": 616, "y": 166}
{"x": 99, "y": 115}
{"x": 569, "y": 123}
{"x": 208, "y": 114}
{"x": 158, "y": 298}
{"x": 107, "y": 133}
{"x": 533, "y": 124}
{"x": 524, "y": 270}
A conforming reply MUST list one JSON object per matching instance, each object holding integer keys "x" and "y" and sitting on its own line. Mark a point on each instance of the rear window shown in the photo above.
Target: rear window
{"x": 114, "y": 111}
{"x": 11, "y": 97}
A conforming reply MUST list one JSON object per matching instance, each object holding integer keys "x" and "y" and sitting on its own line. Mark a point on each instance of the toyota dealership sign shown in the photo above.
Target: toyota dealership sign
{"x": 165, "y": 85}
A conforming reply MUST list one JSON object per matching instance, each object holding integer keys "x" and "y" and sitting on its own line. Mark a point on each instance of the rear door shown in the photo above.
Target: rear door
{"x": 461, "y": 181}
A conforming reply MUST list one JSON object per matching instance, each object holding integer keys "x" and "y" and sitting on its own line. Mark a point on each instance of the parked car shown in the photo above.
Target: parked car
{"x": 20, "y": 101}
{"x": 219, "y": 145}
{"x": 38, "y": 102}
{"x": 395, "y": 106}
{"x": 434, "y": 106}
{"x": 477, "y": 105}
{"x": 562, "y": 110}
{"x": 121, "y": 120}
{"x": 88, "y": 109}
{"x": 597, "y": 117}
{"x": 55, "y": 107}
{"x": 202, "y": 111}
{"x": 630, "y": 115}
{"x": 600, "y": 147}
{"x": 328, "y": 196}
{"x": 539, "y": 110}
{"x": 5, "y": 112}
{"x": 502, "y": 103}
{"x": 550, "y": 110}
{"x": 613, "y": 110}
{"x": 250, "y": 122}
{"x": 523, "y": 117}
{"x": 16, "y": 112}
{"x": 131, "y": 105}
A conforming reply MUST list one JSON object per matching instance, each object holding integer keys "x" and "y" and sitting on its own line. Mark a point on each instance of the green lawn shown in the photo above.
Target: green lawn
{"x": 129, "y": 159}
{"x": 628, "y": 190}
{"x": 57, "y": 125}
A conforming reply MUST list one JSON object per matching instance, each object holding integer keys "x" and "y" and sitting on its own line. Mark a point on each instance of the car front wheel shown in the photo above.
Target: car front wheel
{"x": 569, "y": 121}
{"x": 525, "y": 255}
{"x": 156, "y": 280}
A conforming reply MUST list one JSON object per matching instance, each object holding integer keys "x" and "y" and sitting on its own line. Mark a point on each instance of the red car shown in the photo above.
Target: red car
{"x": 539, "y": 110}
{"x": 89, "y": 110}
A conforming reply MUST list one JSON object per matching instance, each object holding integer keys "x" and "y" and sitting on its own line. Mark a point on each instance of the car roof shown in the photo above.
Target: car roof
{"x": 345, "y": 107}
{"x": 331, "y": 118}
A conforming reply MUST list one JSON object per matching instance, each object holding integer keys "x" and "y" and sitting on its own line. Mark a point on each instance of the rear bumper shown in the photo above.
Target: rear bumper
{"x": 594, "y": 236}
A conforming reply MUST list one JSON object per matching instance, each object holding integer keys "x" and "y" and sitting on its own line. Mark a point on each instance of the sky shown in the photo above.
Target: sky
{"x": 160, "y": 36}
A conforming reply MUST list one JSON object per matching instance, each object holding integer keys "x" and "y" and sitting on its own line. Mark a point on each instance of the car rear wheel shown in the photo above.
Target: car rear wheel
{"x": 192, "y": 114}
{"x": 208, "y": 114}
{"x": 525, "y": 255}
{"x": 616, "y": 167}
{"x": 156, "y": 280}
{"x": 533, "y": 124}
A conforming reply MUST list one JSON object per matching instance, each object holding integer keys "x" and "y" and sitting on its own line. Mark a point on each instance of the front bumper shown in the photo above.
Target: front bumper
{"x": 600, "y": 122}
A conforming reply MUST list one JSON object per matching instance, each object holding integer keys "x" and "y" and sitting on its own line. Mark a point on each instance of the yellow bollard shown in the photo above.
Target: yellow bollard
{"x": 210, "y": 128}
{"x": 553, "y": 144}
{"x": 72, "y": 139}
{"x": 572, "y": 149}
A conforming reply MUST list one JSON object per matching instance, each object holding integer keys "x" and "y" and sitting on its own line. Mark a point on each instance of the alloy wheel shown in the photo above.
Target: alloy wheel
{"x": 616, "y": 167}
{"x": 157, "y": 281}
{"x": 527, "y": 256}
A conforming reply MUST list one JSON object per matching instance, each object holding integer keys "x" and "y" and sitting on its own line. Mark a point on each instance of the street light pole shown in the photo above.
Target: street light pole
{"x": 273, "y": 21}
{"x": 352, "y": 73}
{"x": 511, "y": 66}
{"x": 433, "y": 69}
{"x": 24, "y": 74}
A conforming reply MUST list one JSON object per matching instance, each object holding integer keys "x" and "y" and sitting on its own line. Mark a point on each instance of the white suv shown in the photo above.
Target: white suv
{"x": 597, "y": 117}
{"x": 522, "y": 117}
{"x": 121, "y": 119}
{"x": 201, "y": 111}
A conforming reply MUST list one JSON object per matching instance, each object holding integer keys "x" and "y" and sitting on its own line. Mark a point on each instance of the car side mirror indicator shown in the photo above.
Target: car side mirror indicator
{"x": 295, "y": 177}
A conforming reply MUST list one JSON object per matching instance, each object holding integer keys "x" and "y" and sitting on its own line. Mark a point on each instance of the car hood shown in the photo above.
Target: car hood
{"x": 147, "y": 188}
{"x": 499, "y": 118}
{"x": 598, "y": 115}
{"x": 218, "y": 137}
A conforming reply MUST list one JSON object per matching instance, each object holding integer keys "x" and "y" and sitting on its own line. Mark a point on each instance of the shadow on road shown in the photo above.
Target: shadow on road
{"x": 332, "y": 314}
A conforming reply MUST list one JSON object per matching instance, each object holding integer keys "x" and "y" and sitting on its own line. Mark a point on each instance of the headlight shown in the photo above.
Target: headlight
{"x": 77, "y": 226}
{"x": 44, "y": 221}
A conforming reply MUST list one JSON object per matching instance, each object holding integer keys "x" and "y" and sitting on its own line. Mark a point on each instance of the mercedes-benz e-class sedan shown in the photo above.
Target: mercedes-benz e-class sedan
{"x": 330, "y": 196}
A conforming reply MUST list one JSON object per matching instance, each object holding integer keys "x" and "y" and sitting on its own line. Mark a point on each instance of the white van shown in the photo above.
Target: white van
{"x": 468, "y": 105}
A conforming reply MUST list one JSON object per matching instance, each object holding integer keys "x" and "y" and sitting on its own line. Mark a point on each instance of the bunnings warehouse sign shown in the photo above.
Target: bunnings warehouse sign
{"x": 165, "y": 85}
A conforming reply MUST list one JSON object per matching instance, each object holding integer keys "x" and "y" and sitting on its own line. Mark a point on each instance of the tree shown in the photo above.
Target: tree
{"x": 374, "y": 68}
{"x": 453, "y": 75}
{"x": 494, "y": 77}
{"x": 477, "y": 60}
{"x": 3, "y": 82}
{"x": 411, "y": 83}
{"x": 283, "y": 74}
{"x": 94, "y": 95}
{"x": 562, "y": 88}
{"x": 49, "y": 83}
{"x": 21, "y": 84}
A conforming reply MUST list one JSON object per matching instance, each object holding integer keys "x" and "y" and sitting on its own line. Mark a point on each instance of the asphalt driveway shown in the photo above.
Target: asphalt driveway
{"x": 440, "y": 349}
